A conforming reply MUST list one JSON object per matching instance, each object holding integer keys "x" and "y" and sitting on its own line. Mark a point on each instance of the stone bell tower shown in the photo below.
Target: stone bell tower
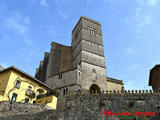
{"x": 88, "y": 52}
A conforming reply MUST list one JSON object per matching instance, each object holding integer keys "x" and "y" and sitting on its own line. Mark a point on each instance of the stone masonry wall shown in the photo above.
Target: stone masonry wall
{"x": 67, "y": 79}
{"x": 91, "y": 107}
{"x": 85, "y": 106}
{"x": 45, "y": 115}
{"x": 66, "y": 59}
{"x": 20, "y": 108}
{"x": 90, "y": 77}
{"x": 60, "y": 60}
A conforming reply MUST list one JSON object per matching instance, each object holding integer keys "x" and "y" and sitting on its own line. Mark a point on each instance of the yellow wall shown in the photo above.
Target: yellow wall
{"x": 3, "y": 81}
{"x": 25, "y": 82}
{"x": 49, "y": 101}
{"x": 7, "y": 84}
{"x": 111, "y": 86}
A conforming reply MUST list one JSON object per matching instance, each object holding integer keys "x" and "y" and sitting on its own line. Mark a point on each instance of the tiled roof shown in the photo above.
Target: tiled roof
{"x": 26, "y": 74}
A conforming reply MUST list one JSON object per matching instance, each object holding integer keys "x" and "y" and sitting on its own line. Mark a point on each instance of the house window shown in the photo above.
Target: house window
{"x": 14, "y": 97}
{"x": 60, "y": 76}
{"x": 29, "y": 90}
{"x": 17, "y": 84}
{"x": 26, "y": 100}
{"x": 79, "y": 74}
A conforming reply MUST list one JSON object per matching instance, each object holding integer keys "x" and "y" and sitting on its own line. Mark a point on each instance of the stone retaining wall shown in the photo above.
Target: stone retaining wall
{"x": 7, "y": 109}
{"x": 85, "y": 106}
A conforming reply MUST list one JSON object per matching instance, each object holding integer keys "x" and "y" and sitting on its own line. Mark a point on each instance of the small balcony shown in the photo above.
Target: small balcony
{"x": 29, "y": 93}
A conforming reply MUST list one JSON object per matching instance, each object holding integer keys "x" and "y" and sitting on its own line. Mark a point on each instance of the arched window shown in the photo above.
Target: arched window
{"x": 95, "y": 89}
{"x": 18, "y": 82}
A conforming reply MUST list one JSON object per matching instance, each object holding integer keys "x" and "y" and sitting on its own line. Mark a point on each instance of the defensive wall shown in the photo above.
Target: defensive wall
{"x": 86, "y": 106}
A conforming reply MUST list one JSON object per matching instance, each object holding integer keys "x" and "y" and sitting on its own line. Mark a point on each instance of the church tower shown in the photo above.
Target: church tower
{"x": 88, "y": 52}
{"x": 80, "y": 66}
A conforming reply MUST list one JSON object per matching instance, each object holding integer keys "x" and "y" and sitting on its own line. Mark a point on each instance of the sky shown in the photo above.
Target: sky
{"x": 130, "y": 28}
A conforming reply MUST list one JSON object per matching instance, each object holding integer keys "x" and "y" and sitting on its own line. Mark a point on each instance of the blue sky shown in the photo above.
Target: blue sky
{"x": 131, "y": 33}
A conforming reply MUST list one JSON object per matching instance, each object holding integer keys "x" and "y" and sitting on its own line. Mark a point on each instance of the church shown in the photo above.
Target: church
{"x": 80, "y": 66}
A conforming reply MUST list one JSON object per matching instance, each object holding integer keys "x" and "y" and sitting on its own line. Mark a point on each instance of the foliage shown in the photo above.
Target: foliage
{"x": 49, "y": 93}
{"x": 56, "y": 93}
{"x": 4, "y": 118}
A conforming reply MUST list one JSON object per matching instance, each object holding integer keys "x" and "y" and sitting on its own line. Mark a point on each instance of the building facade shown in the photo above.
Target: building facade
{"x": 154, "y": 78}
{"x": 114, "y": 84}
{"x": 18, "y": 86}
{"x": 80, "y": 66}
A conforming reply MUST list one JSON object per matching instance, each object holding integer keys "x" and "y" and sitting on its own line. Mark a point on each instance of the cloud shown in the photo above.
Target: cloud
{"x": 145, "y": 21}
{"x": 128, "y": 50}
{"x": 144, "y": 15}
{"x": 18, "y": 24}
{"x": 142, "y": 18}
{"x": 148, "y": 19}
{"x": 63, "y": 11}
{"x": 150, "y": 3}
{"x": 28, "y": 54}
{"x": 43, "y": 3}
{"x": 65, "y": 16}
{"x": 15, "y": 25}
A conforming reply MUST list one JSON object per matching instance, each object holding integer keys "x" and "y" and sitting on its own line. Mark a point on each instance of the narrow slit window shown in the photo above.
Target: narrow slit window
{"x": 60, "y": 76}
{"x": 64, "y": 91}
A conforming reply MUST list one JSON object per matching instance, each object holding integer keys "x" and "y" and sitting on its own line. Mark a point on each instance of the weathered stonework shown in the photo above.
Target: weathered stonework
{"x": 20, "y": 108}
{"x": 80, "y": 66}
{"x": 86, "y": 106}
{"x": 91, "y": 107}
{"x": 45, "y": 115}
